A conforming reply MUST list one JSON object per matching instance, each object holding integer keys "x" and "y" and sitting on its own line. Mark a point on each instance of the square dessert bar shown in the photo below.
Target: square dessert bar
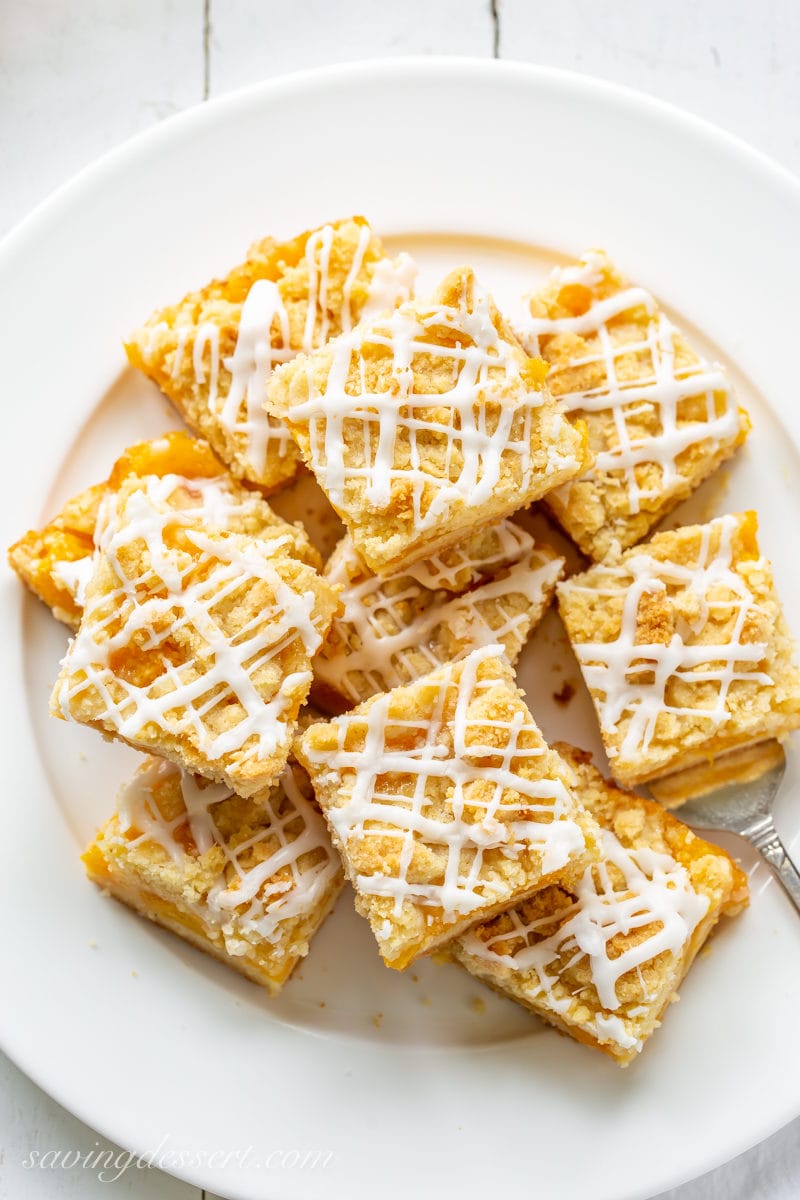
{"x": 424, "y": 425}
{"x": 213, "y": 352}
{"x": 195, "y": 642}
{"x": 56, "y": 561}
{"x": 602, "y": 959}
{"x": 248, "y": 881}
{"x": 445, "y": 803}
{"x": 684, "y": 648}
{"x": 395, "y": 629}
{"x": 660, "y": 418}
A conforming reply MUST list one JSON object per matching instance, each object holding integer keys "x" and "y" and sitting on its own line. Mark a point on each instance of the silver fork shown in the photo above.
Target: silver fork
{"x": 746, "y": 809}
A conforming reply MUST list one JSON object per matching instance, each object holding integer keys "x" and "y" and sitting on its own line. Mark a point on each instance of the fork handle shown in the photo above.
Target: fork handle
{"x": 772, "y": 849}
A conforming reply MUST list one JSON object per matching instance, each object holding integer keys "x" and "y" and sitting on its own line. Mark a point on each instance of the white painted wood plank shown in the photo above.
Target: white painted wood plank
{"x": 33, "y": 1128}
{"x": 770, "y": 1171}
{"x": 254, "y": 39}
{"x": 79, "y": 76}
{"x": 733, "y": 62}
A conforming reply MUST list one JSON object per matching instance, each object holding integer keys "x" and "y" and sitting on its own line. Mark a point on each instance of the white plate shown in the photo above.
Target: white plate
{"x": 167, "y": 1052}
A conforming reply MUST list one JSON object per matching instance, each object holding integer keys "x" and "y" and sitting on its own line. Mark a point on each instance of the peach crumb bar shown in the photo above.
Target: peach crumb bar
{"x": 445, "y": 804}
{"x": 213, "y": 352}
{"x": 423, "y": 426}
{"x": 660, "y": 417}
{"x": 195, "y": 642}
{"x": 394, "y": 628}
{"x": 684, "y": 648}
{"x": 602, "y": 959}
{"x": 248, "y": 881}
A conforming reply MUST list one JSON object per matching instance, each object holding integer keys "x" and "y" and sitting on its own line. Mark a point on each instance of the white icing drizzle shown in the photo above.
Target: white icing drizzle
{"x": 206, "y": 336}
{"x": 318, "y": 257}
{"x": 244, "y": 902}
{"x": 653, "y": 894}
{"x": 661, "y": 390}
{"x": 377, "y": 806}
{"x": 588, "y": 271}
{"x": 250, "y": 367}
{"x": 182, "y": 593}
{"x": 75, "y": 576}
{"x": 215, "y": 503}
{"x": 393, "y": 423}
{"x": 614, "y": 670}
{"x": 459, "y": 566}
{"x": 361, "y": 656}
{"x": 264, "y": 341}
{"x": 392, "y": 284}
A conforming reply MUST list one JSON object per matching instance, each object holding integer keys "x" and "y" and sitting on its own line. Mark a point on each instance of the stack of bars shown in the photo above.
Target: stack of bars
{"x": 203, "y": 623}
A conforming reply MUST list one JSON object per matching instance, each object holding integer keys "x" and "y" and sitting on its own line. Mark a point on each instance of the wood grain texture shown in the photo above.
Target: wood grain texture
{"x": 732, "y": 62}
{"x": 32, "y": 1126}
{"x": 80, "y": 76}
{"x": 251, "y": 41}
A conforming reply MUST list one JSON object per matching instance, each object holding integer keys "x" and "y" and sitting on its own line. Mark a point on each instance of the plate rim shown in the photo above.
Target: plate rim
{"x": 49, "y": 211}
{"x": 381, "y": 66}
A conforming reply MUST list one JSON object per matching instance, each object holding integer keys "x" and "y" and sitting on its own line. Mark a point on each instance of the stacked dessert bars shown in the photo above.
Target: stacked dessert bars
{"x": 203, "y": 623}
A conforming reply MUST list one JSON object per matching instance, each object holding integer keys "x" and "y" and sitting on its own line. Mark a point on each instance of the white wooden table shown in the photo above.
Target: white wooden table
{"x": 79, "y": 76}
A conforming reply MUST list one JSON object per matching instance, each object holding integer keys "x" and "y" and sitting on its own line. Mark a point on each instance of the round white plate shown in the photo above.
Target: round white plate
{"x": 358, "y": 1081}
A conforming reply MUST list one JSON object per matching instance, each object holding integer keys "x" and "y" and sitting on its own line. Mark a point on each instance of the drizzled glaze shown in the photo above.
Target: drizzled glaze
{"x": 462, "y": 564}
{"x": 213, "y": 503}
{"x": 264, "y": 340}
{"x": 631, "y": 890}
{"x": 158, "y": 597}
{"x": 375, "y": 438}
{"x": 628, "y": 679}
{"x": 394, "y": 629}
{"x": 74, "y": 575}
{"x": 659, "y": 390}
{"x": 392, "y": 790}
{"x": 245, "y": 902}
{"x": 216, "y": 504}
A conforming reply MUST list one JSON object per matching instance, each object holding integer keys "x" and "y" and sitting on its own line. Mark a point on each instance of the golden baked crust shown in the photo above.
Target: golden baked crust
{"x": 476, "y": 557}
{"x": 212, "y": 353}
{"x": 601, "y": 960}
{"x": 56, "y": 562}
{"x": 195, "y": 642}
{"x": 248, "y": 881}
{"x": 445, "y": 804}
{"x": 660, "y": 418}
{"x": 742, "y": 765}
{"x": 423, "y": 426}
{"x": 684, "y": 648}
{"x": 394, "y": 629}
